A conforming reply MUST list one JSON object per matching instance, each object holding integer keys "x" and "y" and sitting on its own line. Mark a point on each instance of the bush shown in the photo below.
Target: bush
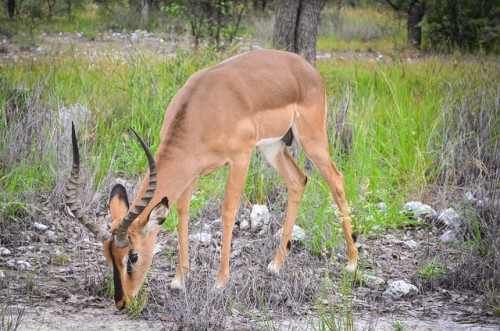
{"x": 463, "y": 24}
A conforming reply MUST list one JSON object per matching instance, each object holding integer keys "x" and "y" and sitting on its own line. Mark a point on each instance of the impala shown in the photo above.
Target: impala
{"x": 263, "y": 98}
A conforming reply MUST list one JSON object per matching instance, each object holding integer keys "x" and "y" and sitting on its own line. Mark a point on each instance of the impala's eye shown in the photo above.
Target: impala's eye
{"x": 133, "y": 258}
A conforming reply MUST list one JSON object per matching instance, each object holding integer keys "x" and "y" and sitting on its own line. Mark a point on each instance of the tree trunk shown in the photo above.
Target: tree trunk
{"x": 144, "y": 14}
{"x": 416, "y": 11}
{"x": 296, "y": 27}
{"x": 11, "y": 6}
{"x": 307, "y": 29}
{"x": 285, "y": 25}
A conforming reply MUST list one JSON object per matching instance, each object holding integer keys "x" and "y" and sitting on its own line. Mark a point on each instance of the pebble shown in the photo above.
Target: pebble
{"x": 40, "y": 226}
{"x": 297, "y": 234}
{"x": 418, "y": 209}
{"x": 244, "y": 225}
{"x": 201, "y": 237}
{"x": 449, "y": 236}
{"x": 411, "y": 244}
{"x": 4, "y": 251}
{"x": 23, "y": 265}
{"x": 51, "y": 236}
{"x": 450, "y": 218}
{"x": 399, "y": 289}
{"x": 372, "y": 281}
{"x": 259, "y": 217}
{"x": 157, "y": 249}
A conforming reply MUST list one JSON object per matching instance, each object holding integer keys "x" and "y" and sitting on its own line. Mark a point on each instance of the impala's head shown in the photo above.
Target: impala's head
{"x": 129, "y": 244}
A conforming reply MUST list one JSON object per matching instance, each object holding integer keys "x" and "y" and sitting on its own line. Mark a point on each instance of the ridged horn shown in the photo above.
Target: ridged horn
{"x": 72, "y": 197}
{"x": 121, "y": 237}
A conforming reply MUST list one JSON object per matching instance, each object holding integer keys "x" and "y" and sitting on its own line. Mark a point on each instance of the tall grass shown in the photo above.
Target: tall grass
{"x": 349, "y": 28}
{"x": 394, "y": 112}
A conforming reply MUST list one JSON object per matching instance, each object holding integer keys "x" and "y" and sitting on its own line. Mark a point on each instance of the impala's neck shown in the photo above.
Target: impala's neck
{"x": 174, "y": 174}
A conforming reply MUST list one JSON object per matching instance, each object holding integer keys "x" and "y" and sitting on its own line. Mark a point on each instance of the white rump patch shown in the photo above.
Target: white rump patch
{"x": 270, "y": 147}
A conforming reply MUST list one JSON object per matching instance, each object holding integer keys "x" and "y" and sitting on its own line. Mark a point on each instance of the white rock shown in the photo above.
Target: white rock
{"x": 40, "y": 226}
{"x": 411, "y": 244}
{"x": 23, "y": 265}
{"x": 2, "y": 274}
{"x": 451, "y": 218}
{"x": 381, "y": 206}
{"x": 297, "y": 234}
{"x": 4, "y": 251}
{"x": 399, "y": 289}
{"x": 157, "y": 249}
{"x": 418, "y": 209}
{"x": 470, "y": 197}
{"x": 51, "y": 235}
{"x": 201, "y": 237}
{"x": 217, "y": 224}
{"x": 450, "y": 236}
{"x": 259, "y": 216}
{"x": 372, "y": 281}
{"x": 244, "y": 225}
{"x": 205, "y": 227}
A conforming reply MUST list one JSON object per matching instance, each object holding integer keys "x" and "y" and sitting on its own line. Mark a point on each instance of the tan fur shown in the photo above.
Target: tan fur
{"x": 217, "y": 118}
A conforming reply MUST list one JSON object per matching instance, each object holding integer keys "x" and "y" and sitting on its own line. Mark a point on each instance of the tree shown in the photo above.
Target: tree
{"x": 296, "y": 27}
{"x": 415, "y": 10}
{"x": 466, "y": 24}
{"x": 210, "y": 20}
{"x": 11, "y": 6}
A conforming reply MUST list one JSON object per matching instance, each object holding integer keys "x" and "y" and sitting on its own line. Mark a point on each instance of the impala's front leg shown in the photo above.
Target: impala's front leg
{"x": 235, "y": 183}
{"x": 183, "y": 257}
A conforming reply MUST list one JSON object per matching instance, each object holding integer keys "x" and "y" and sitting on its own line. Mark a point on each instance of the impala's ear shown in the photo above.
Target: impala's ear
{"x": 157, "y": 216}
{"x": 118, "y": 204}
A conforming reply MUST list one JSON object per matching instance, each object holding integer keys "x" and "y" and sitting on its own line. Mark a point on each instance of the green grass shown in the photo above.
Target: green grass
{"x": 394, "y": 111}
{"x": 351, "y": 28}
{"x": 432, "y": 270}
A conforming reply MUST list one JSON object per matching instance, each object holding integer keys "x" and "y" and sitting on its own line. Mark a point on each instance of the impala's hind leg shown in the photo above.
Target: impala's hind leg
{"x": 279, "y": 157}
{"x": 315, "y": 144}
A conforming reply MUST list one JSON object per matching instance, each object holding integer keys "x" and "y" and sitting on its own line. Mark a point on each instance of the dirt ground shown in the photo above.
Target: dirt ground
{"x": 57, "y": 279}
{"x": 64, "y": 286}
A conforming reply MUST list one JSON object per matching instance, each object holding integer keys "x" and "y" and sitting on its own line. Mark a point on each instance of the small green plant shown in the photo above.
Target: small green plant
{"x": 399, "y": 326}
{"x": 492, "y": 298}
{"x": 432, "y": 270}
{"x": 60, "y": 258}
{"x": 263, "y": 319}
{"x": 137, "y": 305}
{"x": 31, "y": 287}
{"x": 335, "y": 314}
{"x": 10, "y": 319}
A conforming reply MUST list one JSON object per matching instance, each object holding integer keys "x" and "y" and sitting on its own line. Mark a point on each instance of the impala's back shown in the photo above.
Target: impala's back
{"x": 263, "y": 98}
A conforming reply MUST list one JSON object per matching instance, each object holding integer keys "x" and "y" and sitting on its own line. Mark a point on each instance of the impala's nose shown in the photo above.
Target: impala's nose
{"x": 120, "y": 304}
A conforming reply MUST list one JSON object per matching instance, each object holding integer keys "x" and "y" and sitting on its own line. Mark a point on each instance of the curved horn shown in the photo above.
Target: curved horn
{"x": 121, "y": 237}
{"x": 72, "y": 198}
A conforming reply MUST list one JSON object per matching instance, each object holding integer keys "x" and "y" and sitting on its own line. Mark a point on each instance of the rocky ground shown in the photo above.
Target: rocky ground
{"x": 54, "y": 277}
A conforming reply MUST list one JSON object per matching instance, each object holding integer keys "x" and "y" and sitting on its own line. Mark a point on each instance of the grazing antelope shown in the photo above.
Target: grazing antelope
{"x": 263, "y": 98}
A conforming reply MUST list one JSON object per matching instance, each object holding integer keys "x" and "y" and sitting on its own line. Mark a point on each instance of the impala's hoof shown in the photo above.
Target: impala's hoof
{"x": 351, "y": 268}
{"x": 221, "y": 281}
{"x": 177, "y": 284}
{"x": 273, "y": 268}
